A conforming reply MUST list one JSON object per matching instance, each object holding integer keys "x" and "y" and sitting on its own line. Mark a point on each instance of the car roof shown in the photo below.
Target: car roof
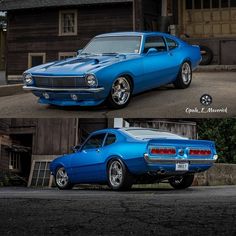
{"x": 125, "y": 129}
{"x": 135, "y": 34}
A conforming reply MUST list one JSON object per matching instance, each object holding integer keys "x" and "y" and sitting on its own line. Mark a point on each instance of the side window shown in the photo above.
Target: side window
{"x": 171, "y": 44}
{"x": 94, "y": 142}
{"x": 155, "y": 42}
{"x": 111, "y": 138}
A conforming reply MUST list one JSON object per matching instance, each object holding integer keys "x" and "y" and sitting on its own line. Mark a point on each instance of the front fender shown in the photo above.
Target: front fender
{"x": 107, "y": 75}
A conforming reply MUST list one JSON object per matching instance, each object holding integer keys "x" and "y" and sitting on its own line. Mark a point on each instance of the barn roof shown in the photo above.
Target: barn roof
{"x": 6, "y": 5}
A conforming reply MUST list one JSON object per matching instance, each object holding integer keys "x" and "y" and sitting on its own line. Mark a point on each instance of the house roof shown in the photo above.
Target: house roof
{"x": 6, "y": 5}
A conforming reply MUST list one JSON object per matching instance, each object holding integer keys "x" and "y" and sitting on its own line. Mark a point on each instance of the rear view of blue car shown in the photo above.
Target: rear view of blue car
{"x": 123, "y": 157}
{"x": 112, "y": 68}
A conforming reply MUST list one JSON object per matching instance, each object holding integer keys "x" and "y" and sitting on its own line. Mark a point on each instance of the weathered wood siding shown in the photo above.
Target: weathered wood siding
{"x": 38, "y": 31}
{"x": 54, "y": 136}
{"x": 151, "y": 14}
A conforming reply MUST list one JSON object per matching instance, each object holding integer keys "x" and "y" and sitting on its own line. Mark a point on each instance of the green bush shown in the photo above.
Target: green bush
{"x": 223, "y": 132}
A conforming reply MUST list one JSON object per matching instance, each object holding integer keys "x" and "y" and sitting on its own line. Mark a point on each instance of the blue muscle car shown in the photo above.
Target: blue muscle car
{"x": 113, "y": 67}
{"x": 122, "y": 157}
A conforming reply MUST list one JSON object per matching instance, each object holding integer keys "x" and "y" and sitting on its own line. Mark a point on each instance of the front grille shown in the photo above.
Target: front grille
{"x": 60, "y": 82}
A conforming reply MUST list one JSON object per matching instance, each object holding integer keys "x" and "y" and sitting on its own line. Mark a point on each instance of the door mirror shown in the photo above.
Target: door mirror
{"x": 152, "y": 51}
{"x": 79, "y": 52}
{"x": 76, "y": 148}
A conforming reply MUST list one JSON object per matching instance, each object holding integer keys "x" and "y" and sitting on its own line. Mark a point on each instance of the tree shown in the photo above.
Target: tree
{"x": 223, "y": 132}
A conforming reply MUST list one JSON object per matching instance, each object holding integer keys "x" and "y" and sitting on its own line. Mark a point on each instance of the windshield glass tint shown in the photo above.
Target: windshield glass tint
{"x": 152, "y": 133}
{"x": 114, "y": 44}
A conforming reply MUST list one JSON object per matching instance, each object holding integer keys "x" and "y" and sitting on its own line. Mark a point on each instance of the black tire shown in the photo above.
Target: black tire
{"x": 184, "y": 77}
{"x": 207, "y": 55}
{"x": 113, "y": 102}
{"x": 181, "y": 182}
{"x": 62, "y": 184}
{"x": 125, "y": 182}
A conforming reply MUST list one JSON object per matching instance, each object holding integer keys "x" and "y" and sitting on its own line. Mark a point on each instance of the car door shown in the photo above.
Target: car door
{"x": 159, "y": 66}
{"x": 86, "y": 164}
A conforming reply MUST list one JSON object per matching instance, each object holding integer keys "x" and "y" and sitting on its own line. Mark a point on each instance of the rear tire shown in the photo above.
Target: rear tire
{"x": 184, "y": 77}
{"x": 181, "y": 182}
{"x": 119, "y": 178}
{"x": 62, "y": 180}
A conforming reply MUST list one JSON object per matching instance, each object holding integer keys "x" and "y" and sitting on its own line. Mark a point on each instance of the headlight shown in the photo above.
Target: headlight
{"x": 28, "y": 79}
{"x": 91, "y": 81}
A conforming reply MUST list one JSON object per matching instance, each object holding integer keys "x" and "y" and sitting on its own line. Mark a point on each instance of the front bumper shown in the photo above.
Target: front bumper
{"x": 63, "y": 96}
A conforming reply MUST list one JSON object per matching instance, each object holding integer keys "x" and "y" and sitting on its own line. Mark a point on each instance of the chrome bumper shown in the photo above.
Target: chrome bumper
{"x": 174, "y": 161}
{"x": 91, "y": 90}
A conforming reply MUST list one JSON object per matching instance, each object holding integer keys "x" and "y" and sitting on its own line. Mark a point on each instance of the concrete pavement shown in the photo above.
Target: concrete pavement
{"x": 194, "y": 211}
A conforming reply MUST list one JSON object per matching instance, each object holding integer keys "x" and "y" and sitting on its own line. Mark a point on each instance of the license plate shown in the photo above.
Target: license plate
{"x": 181, "y": 166}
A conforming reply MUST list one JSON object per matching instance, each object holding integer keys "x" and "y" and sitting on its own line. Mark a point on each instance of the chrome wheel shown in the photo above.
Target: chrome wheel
{"x": 186, "y": 73}
{"x": 115, "y": 174}
{"x": 121, "y": 91}
{"x": 62, "y": 179}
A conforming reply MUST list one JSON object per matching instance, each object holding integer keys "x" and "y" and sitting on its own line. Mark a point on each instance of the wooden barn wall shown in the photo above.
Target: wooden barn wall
{"x": 54, "y": 136}
{"x": 4, "y": 159}
{"x": 2, "y": 49}
{"x": 151, "y": 12}
{"x": 38, "y": 30}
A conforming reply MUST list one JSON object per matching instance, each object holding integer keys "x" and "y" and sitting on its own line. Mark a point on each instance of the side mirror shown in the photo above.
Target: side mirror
{"x": 152, "y": 51}
{"x": 79, "y": 51}
{"x": 76, "y": 148}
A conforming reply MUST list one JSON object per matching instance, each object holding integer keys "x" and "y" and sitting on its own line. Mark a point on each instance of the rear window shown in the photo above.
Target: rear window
{"x": 152, "y": 133}
{"x": 172, "y": 44}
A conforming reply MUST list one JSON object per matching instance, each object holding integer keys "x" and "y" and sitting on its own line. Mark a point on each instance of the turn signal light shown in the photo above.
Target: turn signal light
{"x": 163, "y": 151}
{"x": 199, "y": 152}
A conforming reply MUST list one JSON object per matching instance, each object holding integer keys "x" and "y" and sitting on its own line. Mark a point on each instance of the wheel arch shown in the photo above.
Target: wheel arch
{"x": 116, "y": 157}
{"x": 187, "y": 59}
{"x": 127, "y": 75}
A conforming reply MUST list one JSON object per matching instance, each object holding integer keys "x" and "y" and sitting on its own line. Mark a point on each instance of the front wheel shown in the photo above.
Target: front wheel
{"x": 181, "y": 182}
{"x": 62, "y": 180}
{"x": 120, "y": 93}
{"x": 119, "y": 177}
{"x": 184, "y": 78}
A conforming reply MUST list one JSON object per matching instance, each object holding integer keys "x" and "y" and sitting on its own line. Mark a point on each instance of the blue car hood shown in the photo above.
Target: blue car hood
{"x": 77, "y": 66}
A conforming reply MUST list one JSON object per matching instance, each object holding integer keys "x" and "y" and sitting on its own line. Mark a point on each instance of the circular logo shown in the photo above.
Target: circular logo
{"x": 181, "y": 152}
{"x": 206, "y": 100}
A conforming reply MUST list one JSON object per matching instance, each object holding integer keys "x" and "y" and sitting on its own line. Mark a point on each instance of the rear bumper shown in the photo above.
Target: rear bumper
{"x": 169, "y": 165}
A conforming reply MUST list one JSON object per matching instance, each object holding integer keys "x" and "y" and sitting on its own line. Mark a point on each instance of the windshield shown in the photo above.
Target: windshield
{"x": 113, "y": 45}
{"x": 152, "y": 133}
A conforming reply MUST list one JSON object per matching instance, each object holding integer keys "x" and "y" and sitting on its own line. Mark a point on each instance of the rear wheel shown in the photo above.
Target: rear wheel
{"x": 119, "y": 177}
{"x": 62, "y": 180}
{"x": 181, "y": 182}
{"x": 184, "y": 78}
{"x": 120, "y": 93}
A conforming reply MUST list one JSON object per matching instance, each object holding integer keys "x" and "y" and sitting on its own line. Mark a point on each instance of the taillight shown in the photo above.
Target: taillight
{"x": 163, "y": 151}
{"x": 199, "y": 152}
